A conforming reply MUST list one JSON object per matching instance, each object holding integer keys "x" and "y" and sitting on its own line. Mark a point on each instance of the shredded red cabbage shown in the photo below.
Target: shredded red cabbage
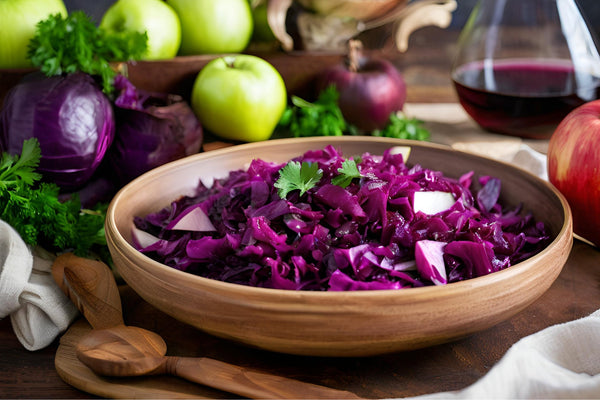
{"x": 362, "y": 237}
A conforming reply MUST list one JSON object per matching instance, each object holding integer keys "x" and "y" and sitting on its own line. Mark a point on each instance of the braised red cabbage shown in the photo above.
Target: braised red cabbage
{"x": 362, "y": 237}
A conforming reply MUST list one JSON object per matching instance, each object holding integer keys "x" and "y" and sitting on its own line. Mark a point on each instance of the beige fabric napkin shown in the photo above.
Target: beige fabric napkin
{"x": 38, "y": 309}
{"x": 559, "y": 362}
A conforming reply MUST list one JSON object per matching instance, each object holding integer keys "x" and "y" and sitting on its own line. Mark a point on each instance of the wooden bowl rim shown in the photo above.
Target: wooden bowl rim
{"x": 418, "y": 293}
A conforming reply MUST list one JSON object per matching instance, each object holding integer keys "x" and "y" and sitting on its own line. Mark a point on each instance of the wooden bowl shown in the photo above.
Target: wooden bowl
{"x": 337, "y": 323}
{"x": 177, "y": 75}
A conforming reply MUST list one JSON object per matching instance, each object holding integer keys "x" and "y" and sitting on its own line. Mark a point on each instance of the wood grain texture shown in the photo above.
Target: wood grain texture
{"x": 125, "y": 351}
{"x": 337, "y": 324}
{"x": 91, "y": 286}
{"x": 209, "y": 373}
{"x": 177, "y": 75}
{"x": 76, "y": 374}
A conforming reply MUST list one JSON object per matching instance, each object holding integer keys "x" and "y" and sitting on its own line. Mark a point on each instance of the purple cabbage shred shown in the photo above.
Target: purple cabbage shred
{"x": 362, "y": 237}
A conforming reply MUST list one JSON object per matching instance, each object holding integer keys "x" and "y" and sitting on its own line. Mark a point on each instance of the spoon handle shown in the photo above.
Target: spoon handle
{"x": 246, "y": 382}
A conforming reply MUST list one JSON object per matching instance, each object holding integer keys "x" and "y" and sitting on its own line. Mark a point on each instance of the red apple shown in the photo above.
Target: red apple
{"x": 370, "y": 89}
{"x": 574, "y": 167}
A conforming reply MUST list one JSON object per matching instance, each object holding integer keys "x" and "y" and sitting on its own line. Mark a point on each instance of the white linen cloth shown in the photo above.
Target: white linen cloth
{"x": 39, "y": 311}
{"x": 559, "y": 362}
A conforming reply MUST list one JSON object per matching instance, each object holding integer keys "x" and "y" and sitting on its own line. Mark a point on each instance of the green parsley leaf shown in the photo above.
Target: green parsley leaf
{"x": 348, "y": 171}
{"x": 74, "y": 43}
{"x": 13, "y": 168}
{"x": 35, "y": 211}
{"x": 296, "y": 176}
{"x": 402, "y": 127}
{"x": 321, "y": 118}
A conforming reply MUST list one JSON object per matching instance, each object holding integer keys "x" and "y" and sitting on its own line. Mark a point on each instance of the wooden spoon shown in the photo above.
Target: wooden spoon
{"x": 91, "y": 286}
{"x": 114, "y": 349}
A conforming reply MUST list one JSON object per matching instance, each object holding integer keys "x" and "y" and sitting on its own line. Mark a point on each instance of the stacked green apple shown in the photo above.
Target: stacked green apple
{"x": 184, "y": 27}
{"x": 236, "y": 97}
{"x": 211, "y": 27}
{"x": 174, "y": 27}
{"x": 155, "y": 17}
{"x": 18, "y": 19}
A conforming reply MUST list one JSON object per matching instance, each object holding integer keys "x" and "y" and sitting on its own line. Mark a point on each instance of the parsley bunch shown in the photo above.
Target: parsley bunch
{"x": 321, "y": 118}
{"x": 324, "y": 118}
{"x": 402, "y": 127}
{"x": 34, "y": 210}
{"x": 66, "y": 45}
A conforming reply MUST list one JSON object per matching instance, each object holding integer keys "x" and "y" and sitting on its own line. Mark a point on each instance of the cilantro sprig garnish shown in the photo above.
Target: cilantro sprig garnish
{"x": 73, "y": 43}
{"x": 348, "y": 171}
{"x": 34, "y": 210}
{"x": 298, "y": 176}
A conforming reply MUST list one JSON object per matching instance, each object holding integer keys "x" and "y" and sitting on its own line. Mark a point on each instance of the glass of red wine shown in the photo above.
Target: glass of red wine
{"x": 523, "y": 65}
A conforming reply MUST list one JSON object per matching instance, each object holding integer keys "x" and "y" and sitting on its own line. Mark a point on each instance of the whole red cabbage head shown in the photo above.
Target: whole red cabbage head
{"x": 71, "y": 118}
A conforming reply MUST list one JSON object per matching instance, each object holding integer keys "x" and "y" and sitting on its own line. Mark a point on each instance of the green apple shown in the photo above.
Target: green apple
{"x": 239, "y": 97}
{"x": 155, "y": 17}
{"x": 262, "y": 29}
{"x": 18, "y": 20}
{"x": 213, "y": 26}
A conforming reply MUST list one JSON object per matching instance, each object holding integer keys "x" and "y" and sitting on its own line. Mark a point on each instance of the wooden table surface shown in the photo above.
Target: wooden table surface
{"x": 576, "y": 293}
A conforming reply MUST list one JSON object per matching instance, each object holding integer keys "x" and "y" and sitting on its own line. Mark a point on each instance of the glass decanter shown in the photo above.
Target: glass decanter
{"x": 522, "y": 65}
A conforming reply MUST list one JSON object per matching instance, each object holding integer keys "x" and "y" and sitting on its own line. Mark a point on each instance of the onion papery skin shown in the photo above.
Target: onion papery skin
{"x": 152, "y": 129}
